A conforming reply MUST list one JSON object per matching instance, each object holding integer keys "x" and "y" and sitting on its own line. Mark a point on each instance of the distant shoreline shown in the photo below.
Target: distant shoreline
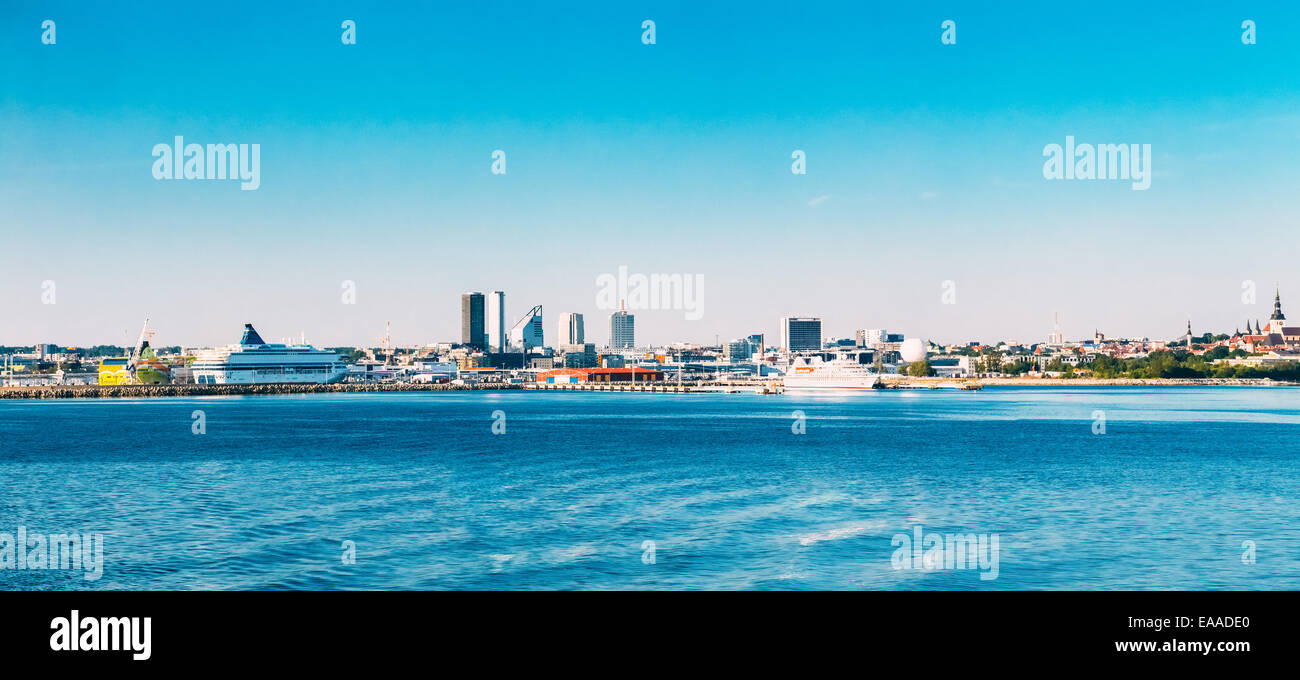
{"x": 188, "y": 390}
{"x": 1122, "y": 382}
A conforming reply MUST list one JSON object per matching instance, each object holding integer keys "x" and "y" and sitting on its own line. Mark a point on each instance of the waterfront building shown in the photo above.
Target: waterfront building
{"x": 1270, "y": 358}
{"x": 472, "y": 320}
{"x": 571, "y": 330}
{"x": 951, "y": 366}
{"x": 738, "y": 350}
{"x": 469, "y": 361}
{"x": 527, "y": 332}
{"x": 146, "y": 369}
{"x": 600, "y": 375}
{"x": 507, "y": 360}
{"x": 622, "y": 329}
{"x": 562, "y": 376}
{"x": 879, "y": 339}
{"x": 580, "y": 356}
{"x": 1275, "y": 335}
{"x": 619, "y": 375}
{"x": 801, "y": 333}
{"x": 435, "y": 367}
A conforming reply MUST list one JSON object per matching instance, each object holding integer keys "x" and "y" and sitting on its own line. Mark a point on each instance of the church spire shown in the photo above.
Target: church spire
{"x": 1277, "y": 308}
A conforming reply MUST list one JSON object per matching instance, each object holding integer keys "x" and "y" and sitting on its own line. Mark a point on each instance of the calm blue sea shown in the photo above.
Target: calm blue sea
{"x": 1174, "y": 493}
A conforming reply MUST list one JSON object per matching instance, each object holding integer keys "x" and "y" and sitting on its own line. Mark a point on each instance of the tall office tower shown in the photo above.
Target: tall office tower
{"x": 527, "y": 333}
{"x": 801, "y": 333}
{"x": 471, "y": 320}
{"x": 622, "y": 329}
{"x": 496, "y": 321}
{"x": 1057, "y": 338}
{"x": 571, "y": 332}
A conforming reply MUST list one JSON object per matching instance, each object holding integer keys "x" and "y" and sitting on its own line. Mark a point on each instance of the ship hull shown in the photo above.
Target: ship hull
{"x": 830, "y": 386}
{"x": 255, "y": 362}
{"x": 829, "y": 377}
{"x": 241, "y": 377}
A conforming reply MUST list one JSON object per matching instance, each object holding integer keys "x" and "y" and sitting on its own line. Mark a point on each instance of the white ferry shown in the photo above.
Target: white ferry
{"x": 255, "y": 361}
{"x": 816, "y": 374}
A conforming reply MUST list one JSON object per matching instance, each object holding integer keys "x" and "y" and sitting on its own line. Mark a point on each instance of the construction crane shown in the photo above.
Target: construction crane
{"x": 386, "y": 341}
{"x": 132, "y": 377}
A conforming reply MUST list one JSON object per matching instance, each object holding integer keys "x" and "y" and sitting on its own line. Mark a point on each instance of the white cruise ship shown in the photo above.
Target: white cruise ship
{"x": 255, "y": 361}
{"x": 815, "y": 374}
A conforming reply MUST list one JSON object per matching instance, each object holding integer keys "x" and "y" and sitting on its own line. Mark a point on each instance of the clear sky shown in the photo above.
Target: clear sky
{"x": 924, "y": 165}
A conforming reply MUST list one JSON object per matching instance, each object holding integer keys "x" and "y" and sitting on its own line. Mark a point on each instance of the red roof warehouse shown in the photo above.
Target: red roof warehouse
{"x": 571, "y": 375}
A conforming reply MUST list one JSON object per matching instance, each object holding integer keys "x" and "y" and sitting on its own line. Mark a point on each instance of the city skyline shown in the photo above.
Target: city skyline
{"x": 924, "y": 167}
{"x": 473, "y": 315}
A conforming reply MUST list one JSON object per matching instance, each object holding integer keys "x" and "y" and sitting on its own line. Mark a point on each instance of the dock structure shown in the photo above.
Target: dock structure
{"x": 194, "y": 390}
{"x": 661, "y": 387}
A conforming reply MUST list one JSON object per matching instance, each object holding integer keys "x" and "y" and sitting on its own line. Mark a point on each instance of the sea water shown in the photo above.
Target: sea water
{"x": 1083, "y": 488}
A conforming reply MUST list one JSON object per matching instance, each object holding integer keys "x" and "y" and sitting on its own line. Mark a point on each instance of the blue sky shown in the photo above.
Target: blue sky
{"x": 924, "y": 165}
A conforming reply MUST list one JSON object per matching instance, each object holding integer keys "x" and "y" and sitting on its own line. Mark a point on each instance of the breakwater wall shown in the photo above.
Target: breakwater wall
{"x": 138, "y": 391}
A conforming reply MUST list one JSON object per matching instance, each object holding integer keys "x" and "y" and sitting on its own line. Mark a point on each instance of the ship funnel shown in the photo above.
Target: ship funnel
{"x": 250, "y": 336}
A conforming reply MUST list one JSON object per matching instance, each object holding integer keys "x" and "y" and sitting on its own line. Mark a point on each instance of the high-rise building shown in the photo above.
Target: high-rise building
{"x": 471, "y": 320}
{"x": 571, "y": 331}
{"x": 622, "y": 329}
{"x": 527, "y": 333}
{"x": 496, "y": 321}
{"x": 801, "y": 333}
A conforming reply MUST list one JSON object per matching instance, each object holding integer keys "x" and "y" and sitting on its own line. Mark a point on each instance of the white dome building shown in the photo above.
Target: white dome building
{"x": 912, "y": 349}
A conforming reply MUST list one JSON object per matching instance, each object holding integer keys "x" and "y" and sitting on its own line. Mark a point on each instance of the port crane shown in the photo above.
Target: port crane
{"x": 130, "y": 376}
{"x": 387, "y": 340}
